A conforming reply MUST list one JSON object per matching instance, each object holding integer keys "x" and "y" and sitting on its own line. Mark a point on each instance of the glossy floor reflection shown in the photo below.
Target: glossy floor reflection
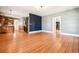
{"x": 40, "y": 42}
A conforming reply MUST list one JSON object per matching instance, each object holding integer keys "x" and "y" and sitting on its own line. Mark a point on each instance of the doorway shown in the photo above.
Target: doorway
{"x": 57, "y": 25}
{"x": 16, "y": 25}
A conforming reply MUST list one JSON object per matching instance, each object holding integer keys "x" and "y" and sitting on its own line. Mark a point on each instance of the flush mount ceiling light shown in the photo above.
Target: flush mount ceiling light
{"x": 10, "y": 11}
{"x": 41, "y": 7}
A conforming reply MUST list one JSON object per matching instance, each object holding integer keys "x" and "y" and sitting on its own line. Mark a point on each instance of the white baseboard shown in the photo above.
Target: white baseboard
{"x": 47, "y": 31}
{"x": 52, "y": 33}
{"x": 35, "y": 32}
{"x": 40, "y": 31}
{"x": 70, "y": 34}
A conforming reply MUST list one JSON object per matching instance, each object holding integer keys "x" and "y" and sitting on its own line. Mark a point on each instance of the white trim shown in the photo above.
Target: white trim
{"x": 40, "y": 31}
{"x": 35, "y": 31}
{"x": 76, "y": 35}
{"x": 47, "y": 31}
{"x": 28, "y": 24}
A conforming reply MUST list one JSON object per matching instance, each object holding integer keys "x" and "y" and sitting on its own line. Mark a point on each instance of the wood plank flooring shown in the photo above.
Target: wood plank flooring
{"x": 21, "y": 42}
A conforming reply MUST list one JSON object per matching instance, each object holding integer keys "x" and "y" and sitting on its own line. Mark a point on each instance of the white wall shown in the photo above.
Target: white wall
{"x": 69, "y": 21}
{"x": 47, "y": 23}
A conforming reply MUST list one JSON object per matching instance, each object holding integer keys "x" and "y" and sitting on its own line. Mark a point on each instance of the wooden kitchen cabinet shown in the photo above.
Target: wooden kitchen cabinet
{"x": 6, "y": 24}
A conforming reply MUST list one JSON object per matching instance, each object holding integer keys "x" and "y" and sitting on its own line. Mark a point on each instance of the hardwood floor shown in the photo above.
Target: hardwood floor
{"x": 39, "y": 42}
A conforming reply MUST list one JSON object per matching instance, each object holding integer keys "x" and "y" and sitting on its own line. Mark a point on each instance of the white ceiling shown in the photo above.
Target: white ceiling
{"x": 23, "y": 11}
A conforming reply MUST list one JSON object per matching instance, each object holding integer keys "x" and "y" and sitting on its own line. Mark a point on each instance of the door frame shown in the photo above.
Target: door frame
{"x": 54, "y": 23}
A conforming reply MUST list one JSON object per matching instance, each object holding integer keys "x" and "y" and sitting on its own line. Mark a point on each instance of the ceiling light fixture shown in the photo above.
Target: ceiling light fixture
{"x": 10, "y": 11}
{"x": 41, "y": 7}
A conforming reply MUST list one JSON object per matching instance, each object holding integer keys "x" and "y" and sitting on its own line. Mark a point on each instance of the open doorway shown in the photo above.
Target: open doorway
{"x": 21, "y": 24}
{"x": 16, "y": 25}
{"x": 57, "y": 25}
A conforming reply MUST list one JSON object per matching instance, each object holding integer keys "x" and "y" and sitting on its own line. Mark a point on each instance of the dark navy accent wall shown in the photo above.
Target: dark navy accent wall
{"x": 35, "y": 22}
